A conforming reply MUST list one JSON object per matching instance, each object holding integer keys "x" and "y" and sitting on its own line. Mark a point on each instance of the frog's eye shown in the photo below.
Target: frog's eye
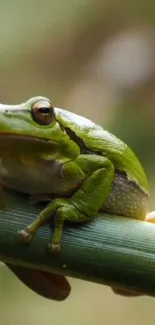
{"x": 43, "y": 112}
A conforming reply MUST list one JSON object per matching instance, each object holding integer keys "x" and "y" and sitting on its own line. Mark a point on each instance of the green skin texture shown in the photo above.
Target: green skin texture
{"x": 84, "y": 168}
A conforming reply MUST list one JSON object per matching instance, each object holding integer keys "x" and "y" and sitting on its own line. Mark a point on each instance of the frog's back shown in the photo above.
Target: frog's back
{"x": 119, "y": 153}
{"x": 98, "y": 140}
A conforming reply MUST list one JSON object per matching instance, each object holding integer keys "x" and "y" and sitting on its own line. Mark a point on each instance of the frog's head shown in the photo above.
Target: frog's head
{"x": 34, "y": 119}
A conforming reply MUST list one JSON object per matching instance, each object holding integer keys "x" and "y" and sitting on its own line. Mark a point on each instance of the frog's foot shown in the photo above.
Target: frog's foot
{"x": 53, "y": 247}
{"x": 24, "y": 236}
{"x": 150, "y": 217}
{"x": 63, "y": 210}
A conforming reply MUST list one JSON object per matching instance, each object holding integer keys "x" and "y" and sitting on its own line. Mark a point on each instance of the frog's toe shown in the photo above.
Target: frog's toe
{"x": 53, "y": 247}
{"x": 24, "y": 237}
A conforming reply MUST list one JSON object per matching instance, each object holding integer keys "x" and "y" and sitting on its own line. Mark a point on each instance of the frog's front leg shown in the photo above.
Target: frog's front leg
{"x": 83, "y": 204}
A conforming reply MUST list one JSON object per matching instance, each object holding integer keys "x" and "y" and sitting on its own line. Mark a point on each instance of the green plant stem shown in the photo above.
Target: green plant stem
{"x": 114, "y": 251}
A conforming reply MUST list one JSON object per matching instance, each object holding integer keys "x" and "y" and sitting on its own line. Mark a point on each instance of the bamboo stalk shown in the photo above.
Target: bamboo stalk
{"x": 114, "y": 251}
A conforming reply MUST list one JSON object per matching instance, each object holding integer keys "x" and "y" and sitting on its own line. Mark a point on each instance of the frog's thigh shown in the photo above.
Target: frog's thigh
{"x": 150, "y": 217}
{"x": 94, "y": 190}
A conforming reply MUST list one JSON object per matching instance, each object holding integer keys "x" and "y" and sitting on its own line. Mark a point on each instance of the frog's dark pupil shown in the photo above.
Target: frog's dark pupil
{"x": 45, "y": 110}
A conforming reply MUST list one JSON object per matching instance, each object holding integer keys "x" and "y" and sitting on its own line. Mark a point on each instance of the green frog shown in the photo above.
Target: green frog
{"x": 76, "y": 166}
{"x": 67, "y": 160}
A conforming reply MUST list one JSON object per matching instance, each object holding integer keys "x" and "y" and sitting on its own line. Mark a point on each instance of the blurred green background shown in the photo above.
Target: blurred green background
{"x": 96, "y": 58}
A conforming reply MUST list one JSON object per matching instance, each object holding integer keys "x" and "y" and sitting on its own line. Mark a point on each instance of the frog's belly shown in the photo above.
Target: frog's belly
{"x": 44, "y": 178}
{"x": 126, "y": 199}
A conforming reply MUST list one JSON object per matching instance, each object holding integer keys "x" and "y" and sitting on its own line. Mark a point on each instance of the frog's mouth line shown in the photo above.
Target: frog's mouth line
{"x": 14, "y": 136}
